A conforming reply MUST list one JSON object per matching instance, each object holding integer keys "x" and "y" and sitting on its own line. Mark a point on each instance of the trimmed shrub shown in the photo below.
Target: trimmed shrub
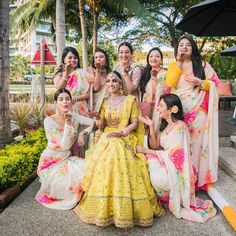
{"x": 18, "y": 161}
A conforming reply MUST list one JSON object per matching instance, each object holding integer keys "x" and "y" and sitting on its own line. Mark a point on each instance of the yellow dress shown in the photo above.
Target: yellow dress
{"x": 116, "y": 183}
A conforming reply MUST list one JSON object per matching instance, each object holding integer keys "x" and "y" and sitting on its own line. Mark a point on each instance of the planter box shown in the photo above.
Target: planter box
{"x": 8, "y": 195}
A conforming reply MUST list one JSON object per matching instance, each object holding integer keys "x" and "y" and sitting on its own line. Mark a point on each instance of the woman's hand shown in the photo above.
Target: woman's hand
{"x": 126, "y": 69}
{"x": 68, "y": 118}
{"x": 69, "y": 68}
{"x": 94, "y": 114}
{"x": 196, "y": 81}
{"x": 154, "y": 73}
{"x": 80, "y": 140}
{"x": 141, "y": 149}
{"x": 146, "y": 120}
{"x": 180, "y": 57}
{"x": 115, "y": 135}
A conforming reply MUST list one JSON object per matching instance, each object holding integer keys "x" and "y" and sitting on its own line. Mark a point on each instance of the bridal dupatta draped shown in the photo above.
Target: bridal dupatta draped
{"x": 201, "y": 116}
{"x": 116, "y": 183}
{"x": 173, "y": 176}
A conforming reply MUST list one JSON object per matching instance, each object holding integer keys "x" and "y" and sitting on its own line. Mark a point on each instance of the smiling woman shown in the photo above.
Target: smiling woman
{"x": 130, "y": 71}
{"x": 68, "y": 75}
{"x": 197, "y": 85}
{"x": 116, "y": 183}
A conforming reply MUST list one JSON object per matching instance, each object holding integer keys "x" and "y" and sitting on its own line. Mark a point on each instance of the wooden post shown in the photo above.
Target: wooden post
{"x": 42, "y": 77}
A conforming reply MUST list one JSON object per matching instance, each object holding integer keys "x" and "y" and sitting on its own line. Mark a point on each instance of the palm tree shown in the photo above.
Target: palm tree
{"x": 30, "y": 14}
{"x": 5, "y": 128}
{"x": 83, "y": 23}
{"x": 60, "y": 28}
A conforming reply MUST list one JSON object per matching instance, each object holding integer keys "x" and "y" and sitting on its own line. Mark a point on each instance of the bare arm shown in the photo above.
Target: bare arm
{"x": 60, "y": 80}
{"x": 82, "y": 97}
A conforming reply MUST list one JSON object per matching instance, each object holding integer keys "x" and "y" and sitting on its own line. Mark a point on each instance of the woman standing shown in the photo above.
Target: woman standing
{"x": 195, "y": 82}
{"x": 61, "y": 173}
{"x": 130, "y": 71}
{"x": 98, "y": 73}
{"x": 171, "y": 170}
{"x": 70, "y": 76}
{"x": 152, "y": 84}
{"x": 116, "y": 184}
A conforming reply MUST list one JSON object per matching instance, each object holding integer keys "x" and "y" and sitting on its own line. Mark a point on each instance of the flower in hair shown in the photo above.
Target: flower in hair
{"x": 174, "y": 109}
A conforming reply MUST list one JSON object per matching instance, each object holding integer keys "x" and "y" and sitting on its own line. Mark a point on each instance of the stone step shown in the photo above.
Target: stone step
{"x": 227, "y": 141}
{"x": 227, "y": 160}
{"x": 226, "y": 186}
{"x": 233, "y": 140}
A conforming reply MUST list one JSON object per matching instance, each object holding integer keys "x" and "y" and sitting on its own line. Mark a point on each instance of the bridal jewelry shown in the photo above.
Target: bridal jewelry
{"x": 114, "y": 105}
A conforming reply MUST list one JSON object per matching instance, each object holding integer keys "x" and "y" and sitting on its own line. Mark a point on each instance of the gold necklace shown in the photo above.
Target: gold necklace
{"x": 115, "y": 102}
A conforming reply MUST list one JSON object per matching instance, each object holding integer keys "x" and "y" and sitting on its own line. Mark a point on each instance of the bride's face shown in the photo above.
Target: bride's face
{"x": 113, "y": 84}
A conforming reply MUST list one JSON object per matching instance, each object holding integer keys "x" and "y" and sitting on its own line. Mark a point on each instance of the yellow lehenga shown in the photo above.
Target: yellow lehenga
{"x": 116, "y": 185}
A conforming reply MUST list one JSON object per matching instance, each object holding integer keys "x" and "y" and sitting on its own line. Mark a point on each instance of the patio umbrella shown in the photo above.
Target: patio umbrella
{"x": 210, "y": 18}
{"x": 231, "y": 52}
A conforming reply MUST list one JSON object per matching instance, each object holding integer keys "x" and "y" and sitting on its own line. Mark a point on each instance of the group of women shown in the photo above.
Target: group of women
{"x": 120, "y": 180}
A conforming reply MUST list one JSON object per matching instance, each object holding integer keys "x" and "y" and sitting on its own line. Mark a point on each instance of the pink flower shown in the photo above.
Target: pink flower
{"x": 49, "y": 163}
{"x": 166, "y": 90}
{"x": 44, "y": 199}
{"x": 216, "y": 80}
{"x": 56, "y": 144}
{"x": 72, "y": 82}
{"x": 177, "y": 157}
{"x": 205, "y": 102}
{"x": 190, "y": 117}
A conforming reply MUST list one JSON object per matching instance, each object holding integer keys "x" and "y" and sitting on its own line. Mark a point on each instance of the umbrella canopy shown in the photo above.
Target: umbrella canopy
{"x": 210, "y": 18}
{"x": 229, "y": 52}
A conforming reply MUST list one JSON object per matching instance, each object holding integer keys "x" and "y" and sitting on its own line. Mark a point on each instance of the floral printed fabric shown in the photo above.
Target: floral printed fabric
{"x": 201, "y": 116}
{"x": 173, "y": 176}
{"x": 60, "y": 173}
{"x": 78, "y": 84}
{"x": 155, "y": 99}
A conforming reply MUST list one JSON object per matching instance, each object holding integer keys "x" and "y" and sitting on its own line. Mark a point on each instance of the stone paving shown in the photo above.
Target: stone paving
{"x": 24, "y": 216}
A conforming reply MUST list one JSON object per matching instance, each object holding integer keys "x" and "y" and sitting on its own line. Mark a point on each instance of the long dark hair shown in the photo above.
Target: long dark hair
{"x": 59, "y": 91}
{"x": 107, "y": 65}
{"x": 197, "y": 60}
{"x": 146, "y": 74}
{"x": 66, "y": 50}
{"x": 170, "y": 101}
{"x": 127, "y": 45}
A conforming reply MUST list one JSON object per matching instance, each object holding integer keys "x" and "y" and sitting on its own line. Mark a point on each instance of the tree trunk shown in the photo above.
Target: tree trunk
{"x": 95, "y": 28}
{"x": 84, "y": 32}
{"x": 5, "y": 127}
{"x": 60, "y": 28}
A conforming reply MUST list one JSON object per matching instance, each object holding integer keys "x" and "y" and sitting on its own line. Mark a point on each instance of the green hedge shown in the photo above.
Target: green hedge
{"x": 18, "y": 161}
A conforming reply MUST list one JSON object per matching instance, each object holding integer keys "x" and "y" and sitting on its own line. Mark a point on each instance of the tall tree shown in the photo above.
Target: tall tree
{"x": 5, "y": 128}
{"x": 60, "y": 28}
{"x": 84, "y": 31}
